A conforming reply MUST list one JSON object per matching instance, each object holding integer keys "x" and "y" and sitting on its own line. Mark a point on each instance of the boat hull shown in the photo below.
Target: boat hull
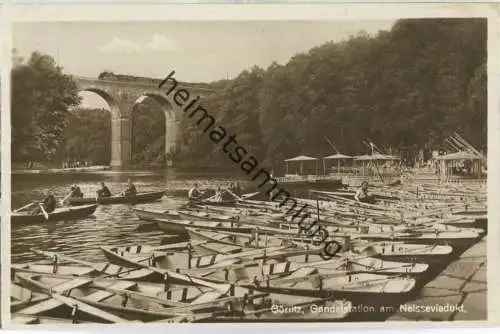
{"x": 135, "y": 199}
{"x": 60, "y": 214}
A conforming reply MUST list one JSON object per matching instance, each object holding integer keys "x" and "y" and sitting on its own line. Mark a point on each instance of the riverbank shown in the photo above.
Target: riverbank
{"x": 91, "y": 169}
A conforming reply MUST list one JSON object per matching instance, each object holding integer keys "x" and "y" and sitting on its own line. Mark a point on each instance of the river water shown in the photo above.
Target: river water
{"x": 111, "y": 225}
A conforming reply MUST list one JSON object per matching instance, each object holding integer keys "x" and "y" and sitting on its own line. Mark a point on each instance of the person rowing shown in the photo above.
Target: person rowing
{"x": 48, "y": 204}
{"x": 362, "y": 194}
{"x": 130, "y": 190}
{"x": 74, "y": 192}
{"x": 194, "y": 193}
{"x": 103, "y": 192}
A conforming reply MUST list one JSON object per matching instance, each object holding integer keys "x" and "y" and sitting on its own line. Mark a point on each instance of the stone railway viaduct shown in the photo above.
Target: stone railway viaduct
{"x": 121, "y": 97}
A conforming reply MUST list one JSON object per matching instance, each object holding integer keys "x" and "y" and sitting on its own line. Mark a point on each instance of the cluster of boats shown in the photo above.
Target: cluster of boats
{"x": 246, "y": 260}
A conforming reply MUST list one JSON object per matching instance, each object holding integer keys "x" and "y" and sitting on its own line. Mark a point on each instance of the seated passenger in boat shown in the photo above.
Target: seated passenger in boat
{"x": 75, "y": 191}
{"x": 362, "y": 194}
{"x": 104, "y": 191}
{"x": 130, "y": 190}
{"x": 194, "y": 193}
{"x": 49, "y": 204}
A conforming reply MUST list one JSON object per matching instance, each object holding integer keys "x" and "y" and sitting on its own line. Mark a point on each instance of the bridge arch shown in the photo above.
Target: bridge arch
{"x": 121, "y": 93}
{"x": 114, "y": 107}
{"x": 171, "y": 123}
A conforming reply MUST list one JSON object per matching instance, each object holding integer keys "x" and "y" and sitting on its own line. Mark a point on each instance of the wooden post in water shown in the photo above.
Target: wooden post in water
{"x": 317, "y": 207}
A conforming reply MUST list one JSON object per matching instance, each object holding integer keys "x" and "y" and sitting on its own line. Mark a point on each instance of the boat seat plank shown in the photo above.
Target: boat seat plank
{"x": 207, "y": 297}
{"x": 221, "y": 248}
{"x": 72, "y": 284}
{"x": 302, "y": 272}
{"x": 17, "y": 319}
{"x": 103, "y": 294}
{"x": 44, "y": 306}
{"x": 90, "y": 309}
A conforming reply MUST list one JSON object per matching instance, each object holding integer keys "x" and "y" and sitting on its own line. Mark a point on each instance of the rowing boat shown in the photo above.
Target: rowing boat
{"x": 59, "y": 214}
{"x": 65, "y": 265}
{"x": 351, "y": 194}
{"x": 119, "y": 199}
{"x": 192, "y": 302}
{"x": 199, "y": 215}
{"x": 21, "y": 297}
{"x": 213, "y": 202}
{"x": 58, "y": 305}
{"x": 288, "y": 259}
{"x": 386, "y": 250}
{"x": 310, "y": 282}
{"x": 181, "y": 261}
{"x": 152, "y": 215}
{"x": 178, "y": 226}
{"x": 125, "y": 300}
{"x": 231, "y": 211}
{"x": 319, "y": 282}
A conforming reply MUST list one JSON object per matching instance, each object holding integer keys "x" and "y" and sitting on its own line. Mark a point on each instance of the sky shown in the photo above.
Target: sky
{"x": 197, "y": 51}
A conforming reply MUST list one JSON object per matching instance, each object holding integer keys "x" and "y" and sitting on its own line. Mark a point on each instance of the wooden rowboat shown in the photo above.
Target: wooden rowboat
{"x": 59, "y": 306}
{"x": 178, "y": 226}
{"x": 386, "y": 250}
{"x": 182, "y": 302}
{"x": 282, "y": 260}
{"x": 59, "y": 214}
{"x": 202, "y": 215}
{"x": 152, "y": 215}
{"x": 65, "y": 265}
{"x": 119, "y": 199}
{"x": 110, "y": 297}
{"x": 182, "y": 261}
{"x": 310, "y": 282}
{"x": 22, "y": 297}
{"x": 230, "y": 211}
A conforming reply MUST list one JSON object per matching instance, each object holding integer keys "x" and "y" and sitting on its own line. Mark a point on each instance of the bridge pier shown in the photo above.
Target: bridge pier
{"x": 121, "y": 143}
{"x": 171, "y": 129}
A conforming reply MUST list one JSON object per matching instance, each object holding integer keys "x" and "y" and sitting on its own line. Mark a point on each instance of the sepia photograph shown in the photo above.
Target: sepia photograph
{"x": 249, "y": 171}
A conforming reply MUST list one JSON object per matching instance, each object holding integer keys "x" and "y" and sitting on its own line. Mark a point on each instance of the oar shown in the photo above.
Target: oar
{"x": 62, "y": 202}
{"x": 233, "y": 194}
{"x": 45, "y": 214}
{"x": 245, "y": 196}
{"x": 25, "y": 207}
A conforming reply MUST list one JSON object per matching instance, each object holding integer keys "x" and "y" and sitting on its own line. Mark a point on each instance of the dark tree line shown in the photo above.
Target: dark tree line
{"x": 413, "y": 85}
{"x": 87, "y": 137}
{"x": 41, "y": 99}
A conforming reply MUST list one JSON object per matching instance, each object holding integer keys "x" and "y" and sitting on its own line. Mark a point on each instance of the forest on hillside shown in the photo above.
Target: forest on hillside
{"x": 411, "y": 86}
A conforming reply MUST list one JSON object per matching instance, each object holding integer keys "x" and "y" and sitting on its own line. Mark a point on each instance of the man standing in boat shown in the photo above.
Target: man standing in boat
{"x": 104, "y": 191}
{"x": 362, "y": 194}
{"x": 130, "y": 190}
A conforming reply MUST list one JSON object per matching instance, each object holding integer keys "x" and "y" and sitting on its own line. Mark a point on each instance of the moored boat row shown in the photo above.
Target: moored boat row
{"x": 240, "y": 258}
